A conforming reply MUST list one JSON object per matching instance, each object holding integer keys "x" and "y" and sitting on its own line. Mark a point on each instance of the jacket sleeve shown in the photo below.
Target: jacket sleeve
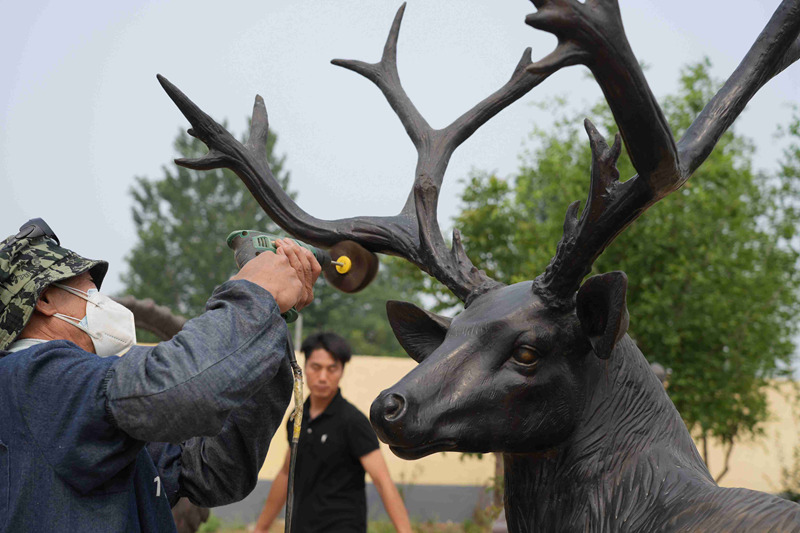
{"x": 188, "y": 386}
{"x": 223, "y": 469}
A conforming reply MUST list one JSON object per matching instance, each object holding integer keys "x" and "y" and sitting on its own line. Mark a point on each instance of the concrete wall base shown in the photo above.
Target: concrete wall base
{"x": 438, "y": 503}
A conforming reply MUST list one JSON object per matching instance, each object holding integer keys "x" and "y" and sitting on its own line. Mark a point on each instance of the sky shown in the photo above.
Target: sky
{"x": 81, "y": 112}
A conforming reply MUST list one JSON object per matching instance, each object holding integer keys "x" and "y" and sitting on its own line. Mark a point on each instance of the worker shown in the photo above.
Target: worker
{"x": 92, "y": 442}
{"x": 337, "y": 446}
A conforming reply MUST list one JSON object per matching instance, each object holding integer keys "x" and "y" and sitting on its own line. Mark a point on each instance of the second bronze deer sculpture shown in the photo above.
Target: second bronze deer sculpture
{"x": 543, "y": 371}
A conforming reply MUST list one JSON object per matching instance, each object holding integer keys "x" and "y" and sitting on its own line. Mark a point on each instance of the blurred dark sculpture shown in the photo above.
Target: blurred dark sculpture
{"x": 188, "y": 516}
{"x": 542, "y": 371}
{"x": 149, "y": 316}
{"x": 661, "y": 373}
{"x": 164, "y": 324}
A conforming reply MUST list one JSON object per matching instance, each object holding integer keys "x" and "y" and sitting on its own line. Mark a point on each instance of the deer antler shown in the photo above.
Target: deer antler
{"x": 591, "y": 34}
{"x": 414, "y": 233}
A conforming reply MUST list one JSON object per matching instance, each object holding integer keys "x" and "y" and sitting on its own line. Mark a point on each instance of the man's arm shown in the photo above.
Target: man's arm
{"x": 189, "y": 385}
{"x": 214, "y": 471}
{"x": 375, "y": 466}
{"x": 224, "y": 469}
{"x": 275, "y": 500}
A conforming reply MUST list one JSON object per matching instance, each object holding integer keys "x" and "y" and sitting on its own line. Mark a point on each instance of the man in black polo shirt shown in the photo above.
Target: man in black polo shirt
{"x": 337, "y": 446}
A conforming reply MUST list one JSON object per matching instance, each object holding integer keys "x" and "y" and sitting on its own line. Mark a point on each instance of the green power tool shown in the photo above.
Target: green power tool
{"x": 246, "y": 244}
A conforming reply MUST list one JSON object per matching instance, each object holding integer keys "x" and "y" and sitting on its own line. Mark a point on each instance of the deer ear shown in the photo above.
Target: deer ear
{"x": 602, "y": 311}
{"x": 419, "y": 332}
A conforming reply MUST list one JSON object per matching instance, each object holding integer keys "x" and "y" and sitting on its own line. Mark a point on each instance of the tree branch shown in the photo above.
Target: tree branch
{"x": 727, "y": 462}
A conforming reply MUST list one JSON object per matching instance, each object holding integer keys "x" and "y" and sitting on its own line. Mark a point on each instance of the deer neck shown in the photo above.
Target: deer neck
{"x": 629, "y": 429}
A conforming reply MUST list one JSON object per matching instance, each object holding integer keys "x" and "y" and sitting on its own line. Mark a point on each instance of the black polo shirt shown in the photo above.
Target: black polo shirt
{"x": 329, "y": 487}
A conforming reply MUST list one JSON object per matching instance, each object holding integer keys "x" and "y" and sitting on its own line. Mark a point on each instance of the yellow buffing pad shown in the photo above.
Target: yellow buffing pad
{"x": 344, "y": 268}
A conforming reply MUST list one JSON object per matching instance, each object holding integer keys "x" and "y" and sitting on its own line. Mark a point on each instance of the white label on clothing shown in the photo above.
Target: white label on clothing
{"x": 157, "y": 481}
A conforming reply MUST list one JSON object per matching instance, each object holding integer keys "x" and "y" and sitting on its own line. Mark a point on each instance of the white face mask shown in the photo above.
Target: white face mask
{"x": 109, "y": 324}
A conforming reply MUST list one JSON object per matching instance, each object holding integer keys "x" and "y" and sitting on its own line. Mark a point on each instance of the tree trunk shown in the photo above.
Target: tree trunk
{"x": 727, "y": 462}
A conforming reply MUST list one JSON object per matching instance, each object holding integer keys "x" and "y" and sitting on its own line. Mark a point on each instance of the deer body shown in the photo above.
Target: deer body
{"x": 631, "y": 469}
{"x": 542, "y": 371}
{"x": 590, "y": 441}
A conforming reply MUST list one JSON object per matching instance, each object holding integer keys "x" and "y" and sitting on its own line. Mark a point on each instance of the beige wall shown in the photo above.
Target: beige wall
{"x": 755, "y": 465}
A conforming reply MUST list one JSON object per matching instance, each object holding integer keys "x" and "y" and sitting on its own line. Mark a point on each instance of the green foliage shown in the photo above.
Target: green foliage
{"x": 712, "y": 282}
{"x": 212, "y": 525}
{"x": 182, "y": 220}
{"x": 790, "y": 478}
{"x": 215, "y": 525}
{"x": 429, "y": 526}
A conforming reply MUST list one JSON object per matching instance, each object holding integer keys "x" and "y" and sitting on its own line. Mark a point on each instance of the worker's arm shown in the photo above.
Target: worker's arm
{"x": 189, "y": 385}
{"x": 214, "y": 471}
{"x": 375, "y": 466}
{"x": 224, "y": 469}
{"x": 275, "y": 500}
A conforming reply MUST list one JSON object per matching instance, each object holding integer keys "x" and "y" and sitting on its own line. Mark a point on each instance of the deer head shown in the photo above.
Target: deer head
{"x": 506, "y": 374}
{"x": 512, "y": 372}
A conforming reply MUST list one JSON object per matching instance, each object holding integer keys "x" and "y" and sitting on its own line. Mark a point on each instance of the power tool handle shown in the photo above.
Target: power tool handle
{"x": 323, "y": 257}
{"x": 243, "y": 250}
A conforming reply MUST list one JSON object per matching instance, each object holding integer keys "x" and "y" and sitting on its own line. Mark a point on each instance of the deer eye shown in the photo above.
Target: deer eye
{"x": 525, "y": 355}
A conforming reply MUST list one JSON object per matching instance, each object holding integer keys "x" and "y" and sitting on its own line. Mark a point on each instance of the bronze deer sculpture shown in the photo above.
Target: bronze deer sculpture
{"x": 543, "y": 371}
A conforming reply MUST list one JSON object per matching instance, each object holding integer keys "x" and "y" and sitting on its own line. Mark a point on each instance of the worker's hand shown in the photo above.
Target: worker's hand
{"x": 274, "y": 273}
{"x": 304, "y": 262}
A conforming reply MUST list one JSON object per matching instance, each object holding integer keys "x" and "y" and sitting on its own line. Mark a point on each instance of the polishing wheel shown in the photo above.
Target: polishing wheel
{"x": 358, "y": 267}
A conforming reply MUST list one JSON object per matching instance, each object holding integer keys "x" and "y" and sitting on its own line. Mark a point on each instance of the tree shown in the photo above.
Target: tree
{"x": 182, "y": 220}
{"x": 712, "y": 269}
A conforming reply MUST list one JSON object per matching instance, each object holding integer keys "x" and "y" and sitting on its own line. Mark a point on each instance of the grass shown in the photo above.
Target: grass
{"x": 427, "y": 527}
{"x": 215, "y": 526}
{"x": 480, "y": 523}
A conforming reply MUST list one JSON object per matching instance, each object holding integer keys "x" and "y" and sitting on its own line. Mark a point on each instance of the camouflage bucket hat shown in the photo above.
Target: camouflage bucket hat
{"x": 29, "y": 262}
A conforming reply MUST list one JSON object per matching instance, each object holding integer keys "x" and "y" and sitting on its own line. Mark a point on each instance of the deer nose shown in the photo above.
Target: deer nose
{"x": 394, "y": 407}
